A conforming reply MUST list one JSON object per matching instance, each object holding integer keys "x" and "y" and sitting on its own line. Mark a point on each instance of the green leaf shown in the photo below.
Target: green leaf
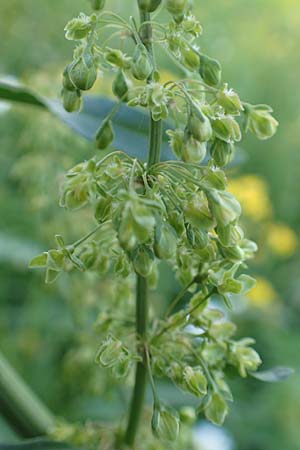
{"x": 23, "y": 409}
{"x": 131, "y": 125}
{"x": 39, "y": 261}
{"x": 36, "y": 444}
{"x": 15, "y": 92}
{"x": 273, "y": 375}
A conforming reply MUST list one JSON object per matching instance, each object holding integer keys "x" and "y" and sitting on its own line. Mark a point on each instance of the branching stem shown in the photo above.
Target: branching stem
{"x": 137, "y": 401}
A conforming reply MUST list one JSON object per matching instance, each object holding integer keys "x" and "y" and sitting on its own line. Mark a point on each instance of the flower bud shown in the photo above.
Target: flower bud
{"x": 224, "y": 206}
{"x": 78, "y": 28}
{"x": 199, "y": 126}
{"x": 176, "y": 220}
{"x": 217, "y": 409}
{"x": 176, "y": 141}
{"x": 149, "y": 5}
{"x": 67, "y": 83}
{"x": 71, "y": 100}
{"x": 176, "y": 7}
{"x": 109, "y": 352}
{"x": 195, "y": 381}
{"x": 120, "y": 86}
{"x": 260, "y": 121}
{"x": 188, "y": 415}
{"x": 227, "y": 129}
{"x": 103, "y": 209}
{"x": 142, "y": 259}
{"x": 230, "y": 101}
{"x": 190, "y": 58}
{"x": 222, "y": 152}
{"x": 105, "y": 135}
{"x": 83, "y": 75}
{"x": 165, "y": 424}
{"x": 191, "y": 25}
{"x": 165, "y": 241}
{"x": 193, "y": 151}
{"x": 97, "y": 5}
{"x": 196, "y": 212}
{"x": 115, "y": 57}
{"x": 210, "y": 70}
{"x": 141, "y": 64}
{"x": 234, "y": 254}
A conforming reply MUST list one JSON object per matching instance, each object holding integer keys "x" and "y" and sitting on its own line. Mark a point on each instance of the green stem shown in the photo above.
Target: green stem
{"x": 138, "y": 395}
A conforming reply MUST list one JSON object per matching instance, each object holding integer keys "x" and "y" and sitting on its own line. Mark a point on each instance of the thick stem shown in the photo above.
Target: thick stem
{"x": 137, "y": 400}
{"x": 138, "y": 395}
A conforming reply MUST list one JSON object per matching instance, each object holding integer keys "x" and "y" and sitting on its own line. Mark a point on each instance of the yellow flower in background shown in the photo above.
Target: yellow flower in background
{"x": 262, "y": 294}
{"x": 252, "y": 193}
{"x": 282, "y": 240}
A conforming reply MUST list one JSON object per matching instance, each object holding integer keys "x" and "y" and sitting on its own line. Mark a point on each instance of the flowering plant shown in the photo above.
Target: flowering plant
{"x": 177, "y": 211}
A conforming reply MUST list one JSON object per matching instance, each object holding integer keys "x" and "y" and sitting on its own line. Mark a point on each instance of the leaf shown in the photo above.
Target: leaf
{"x": 15, "y": 92}
{"x": 36, "y": 444}
{"x": 22, "y": 408}
{"x": 273, "y": 375}
{"x": 130, "y": 124}
{"x": 39, "y": 261}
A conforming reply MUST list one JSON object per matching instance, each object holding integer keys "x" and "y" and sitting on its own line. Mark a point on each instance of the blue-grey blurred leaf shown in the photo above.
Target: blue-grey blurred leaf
{"x": 131, "y": 124}
{"x": 273, "y": 375}
{"x": 36, "y": 444}
{"x": 17, "y": 251}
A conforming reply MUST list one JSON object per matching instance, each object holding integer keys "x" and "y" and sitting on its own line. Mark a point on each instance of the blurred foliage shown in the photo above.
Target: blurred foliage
{"x": 46, "y": 331}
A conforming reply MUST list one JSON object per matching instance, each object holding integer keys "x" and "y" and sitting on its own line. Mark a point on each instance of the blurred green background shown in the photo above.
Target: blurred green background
{"x": 45, "y": 332}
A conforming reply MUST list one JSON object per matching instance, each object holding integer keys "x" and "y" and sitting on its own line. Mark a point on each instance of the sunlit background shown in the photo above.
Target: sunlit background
{"x": 45, "y": 331}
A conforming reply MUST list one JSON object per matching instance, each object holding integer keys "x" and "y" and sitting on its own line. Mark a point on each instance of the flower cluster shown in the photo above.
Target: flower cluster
{"x": 176, "y": 211}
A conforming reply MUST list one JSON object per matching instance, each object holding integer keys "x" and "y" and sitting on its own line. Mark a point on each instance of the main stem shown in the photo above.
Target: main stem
{"x": 138, "y": 396}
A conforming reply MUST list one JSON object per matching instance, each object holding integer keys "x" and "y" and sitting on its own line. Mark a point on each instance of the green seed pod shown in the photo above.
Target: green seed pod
{"x": 227, "y": 129}
{"x": 176, "y": 220}
{"x": 193, "y": 151}
{"x": 224, "y": 207}
{"x": 230, "y": 101}
{"x": 89, "y": 256}
{"x": 176, "y": 7}
{"x": 195, "y": 381}
{"x": 115, "y": 57}
{"x": 230, "y": 235}
{"x": 165, "y": 424}
{"x": 83, "y": 76}
{"x": 216, "y": 410}
{"x": 103, "y": 209}
{"x": 222, "y": 152}
{"x": 71, "y": 100}
{"x": 260, "y": 121}
{"x": 165, "y": 241}
{"x": 234, "y": 254}
{"x": 176, "y": 141}
{"x": 188, "y": 415}
{"x": 149, "y": 5}
{"x": 67, "y": 83}
{"x": 120, "y": 86}
{"x": 143, "y": 259}
{"x": 109, "y": 352}
{"x": 97, "y": 5}
{"x": 141, "y": 64}
{"x": 199, "y": 126}
{"x": 197, "y": 212}
{"x": 190, "y": 59}
{"x": 210, "y": 70}
{"x": 105, "y": 135}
